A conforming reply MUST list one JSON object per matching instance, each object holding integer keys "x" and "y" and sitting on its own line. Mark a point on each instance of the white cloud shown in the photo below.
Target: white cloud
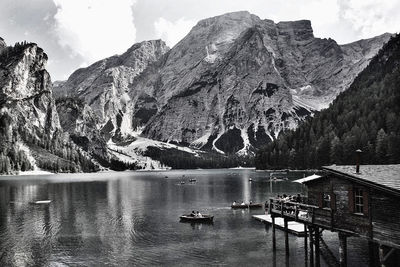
{"x": 95, "y": 29}
{"x": 370, "y": 17}
{"x": 172, "y": 32}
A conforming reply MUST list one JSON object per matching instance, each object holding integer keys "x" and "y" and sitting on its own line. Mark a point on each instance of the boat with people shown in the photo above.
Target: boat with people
{"x": 204, "y": 218}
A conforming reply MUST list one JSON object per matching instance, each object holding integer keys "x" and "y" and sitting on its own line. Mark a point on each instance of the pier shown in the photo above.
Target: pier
{"x": 350, "y": 202}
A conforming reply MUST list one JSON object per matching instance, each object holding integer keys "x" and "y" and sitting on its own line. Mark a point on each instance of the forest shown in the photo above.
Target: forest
{"x": 177, "y": 159}
{"x": 366, "y": 117}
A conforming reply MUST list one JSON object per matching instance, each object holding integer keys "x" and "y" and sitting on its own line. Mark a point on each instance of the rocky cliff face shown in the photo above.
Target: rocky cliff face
{"x": 231, "y": 85}
{"x": 26, "y": 88}
{"x": 104, "y": 86}
{"x": 82, "y": 124}
{"x": 30, "y": 134}
{"x": 236, "y": 81}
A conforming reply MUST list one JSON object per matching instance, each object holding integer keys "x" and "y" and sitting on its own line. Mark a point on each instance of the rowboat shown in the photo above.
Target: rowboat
{"x": 246, "y": 206}
{"x": 203, "y": 219}
{"x": 39, "y": 202}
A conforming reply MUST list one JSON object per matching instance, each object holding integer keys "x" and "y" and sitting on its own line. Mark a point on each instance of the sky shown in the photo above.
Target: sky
{"x": 77, "y": 33}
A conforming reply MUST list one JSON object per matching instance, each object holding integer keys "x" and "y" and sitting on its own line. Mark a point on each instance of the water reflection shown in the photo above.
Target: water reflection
{"x": 133, "y": 219}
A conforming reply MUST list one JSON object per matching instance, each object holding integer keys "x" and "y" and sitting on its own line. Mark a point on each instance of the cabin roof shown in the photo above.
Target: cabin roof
{"x": 383, "y": 176}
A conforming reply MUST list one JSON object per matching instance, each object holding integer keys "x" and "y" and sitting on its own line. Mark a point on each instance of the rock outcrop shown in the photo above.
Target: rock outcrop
{"x": 2, "y": 44}
{"x": 31, "y": 135}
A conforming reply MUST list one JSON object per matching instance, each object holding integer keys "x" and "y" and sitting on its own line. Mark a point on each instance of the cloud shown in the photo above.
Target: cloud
{"x": 172, "y": 32}
{"x": 95, "y": 29}
{"x": 370, "y": 17}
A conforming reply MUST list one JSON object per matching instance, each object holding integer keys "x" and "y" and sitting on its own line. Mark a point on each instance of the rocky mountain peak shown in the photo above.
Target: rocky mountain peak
{"x": 298, "y": 30}
{"x": 20, "y": 61}
{"x": 105, "y": 86}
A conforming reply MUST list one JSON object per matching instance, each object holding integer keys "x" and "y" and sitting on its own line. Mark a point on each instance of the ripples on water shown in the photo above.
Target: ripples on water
{"x": 132, "y": 218}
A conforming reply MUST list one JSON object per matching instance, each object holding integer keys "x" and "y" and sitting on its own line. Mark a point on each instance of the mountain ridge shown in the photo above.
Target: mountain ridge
{"x": 362, "y": 117}
{"x": 232, "y": 78}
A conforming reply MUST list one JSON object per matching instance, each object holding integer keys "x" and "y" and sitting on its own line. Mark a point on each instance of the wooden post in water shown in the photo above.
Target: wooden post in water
{"x": 342, "y": 249}
{"x": 305, "y": 245}
{"x": 310, "y": 230}
{"x": 273, "y": 233}
{"x": 371, "y": 253}
{"x": 286, "y": 236}
{"x": 381, "y": 256}
{"x": 316, "y": 244}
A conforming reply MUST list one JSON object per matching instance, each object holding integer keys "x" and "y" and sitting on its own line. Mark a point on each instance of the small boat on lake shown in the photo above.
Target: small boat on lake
{"x": 205, "y": 218}
{"x": 193, "y": 180}
{"x": 246, "y": 206}
{"x": 250, "y": 180}
{"x": 40, "y": 202}
{"x": 182, "y": 182}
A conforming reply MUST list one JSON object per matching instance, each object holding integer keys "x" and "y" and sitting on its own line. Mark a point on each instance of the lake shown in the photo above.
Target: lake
{"x": 132, "y": 219}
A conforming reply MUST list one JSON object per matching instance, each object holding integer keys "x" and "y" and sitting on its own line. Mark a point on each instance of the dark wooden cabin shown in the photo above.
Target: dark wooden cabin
{"x": 363, "y": 204}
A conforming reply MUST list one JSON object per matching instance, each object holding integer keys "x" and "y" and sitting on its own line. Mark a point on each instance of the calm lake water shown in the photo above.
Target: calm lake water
{"x": 132, "y": 219}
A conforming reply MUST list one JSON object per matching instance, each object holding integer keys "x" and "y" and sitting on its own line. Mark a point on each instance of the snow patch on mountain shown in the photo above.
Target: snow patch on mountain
{"x": 246, "y": 143}
{"x": 134, "y": 152}
{"x": 202, "y": 140}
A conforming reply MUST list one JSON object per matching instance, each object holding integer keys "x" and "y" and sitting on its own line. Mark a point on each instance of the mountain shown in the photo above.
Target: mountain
{"x": 363, "y": 117}
{"x": 104, "y": 86}
{"x": 238, "y": 92}
{"x": 30, "y": 132}
{"x": 231, "y": 85}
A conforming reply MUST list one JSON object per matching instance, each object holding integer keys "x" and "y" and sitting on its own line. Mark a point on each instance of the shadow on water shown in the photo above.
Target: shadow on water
{"x": 132, "y": 218}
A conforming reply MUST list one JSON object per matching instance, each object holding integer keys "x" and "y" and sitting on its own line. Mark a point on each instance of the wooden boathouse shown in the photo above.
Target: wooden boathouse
{"x": 354, "y": 201}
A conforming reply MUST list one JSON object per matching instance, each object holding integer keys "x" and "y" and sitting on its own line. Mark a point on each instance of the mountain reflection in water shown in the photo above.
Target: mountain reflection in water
{"x": 132, "y": 218}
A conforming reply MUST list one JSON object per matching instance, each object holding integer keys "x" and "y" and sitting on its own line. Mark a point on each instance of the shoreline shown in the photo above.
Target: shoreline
{"x": 47, "y": 173}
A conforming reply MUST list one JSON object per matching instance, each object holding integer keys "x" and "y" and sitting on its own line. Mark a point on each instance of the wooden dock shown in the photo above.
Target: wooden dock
{"x": 295, "y": 228}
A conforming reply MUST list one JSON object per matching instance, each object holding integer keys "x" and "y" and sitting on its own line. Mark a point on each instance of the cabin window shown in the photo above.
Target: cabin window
{"x": 326, "y": 201}
{"x": 359, "y": 201}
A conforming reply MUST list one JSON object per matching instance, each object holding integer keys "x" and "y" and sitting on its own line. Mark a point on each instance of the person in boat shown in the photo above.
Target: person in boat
{"x": 242, "y": 203}
{"x": 251, "y": 202}
{"x": 234, "y": 203}
{"x": 192, "y": 214}
{"x": 199, "y": 214}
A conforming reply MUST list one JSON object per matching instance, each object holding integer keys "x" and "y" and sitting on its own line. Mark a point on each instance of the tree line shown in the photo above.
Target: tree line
{"x": 366, "y": 117}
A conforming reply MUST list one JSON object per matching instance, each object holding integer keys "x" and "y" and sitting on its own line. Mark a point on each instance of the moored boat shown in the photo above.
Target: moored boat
{"x": 246, "y": 206}
{"x": 202, "y": 218}
{"x": 39, "y": 202}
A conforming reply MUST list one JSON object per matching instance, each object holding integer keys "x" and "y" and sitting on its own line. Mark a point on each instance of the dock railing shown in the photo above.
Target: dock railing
{"x": 296, "y": 210}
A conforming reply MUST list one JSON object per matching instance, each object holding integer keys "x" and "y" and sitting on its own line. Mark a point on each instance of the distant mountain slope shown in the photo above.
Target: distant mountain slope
{"x": 365, "y": 116}
{"x": 104, "y": 85}
{"x": 30, "y": 132}
{"x": 231, "y": 85}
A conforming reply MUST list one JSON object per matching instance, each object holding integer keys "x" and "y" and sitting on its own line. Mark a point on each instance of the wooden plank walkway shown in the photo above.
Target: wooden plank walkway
{"x": 293, "y": 227}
